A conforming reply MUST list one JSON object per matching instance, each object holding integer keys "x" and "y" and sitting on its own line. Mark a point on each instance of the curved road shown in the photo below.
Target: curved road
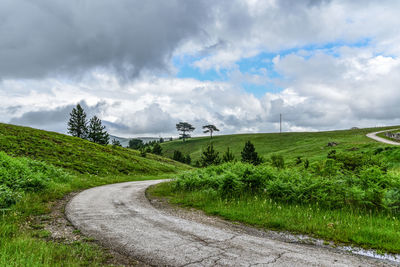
{"x": 120, "y": 216}
{"x": 383, "y": 140}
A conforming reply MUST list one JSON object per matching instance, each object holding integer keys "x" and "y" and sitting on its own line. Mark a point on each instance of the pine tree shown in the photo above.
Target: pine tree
{"x": 77, "y": 124}
{"x": 188, "y": 159}
{"x": 157, "y": 149}
{"x": 250, "y": 155}
{"x": 178, "y": 156}
{"x": 210, "y": 129}
{"x": 228, "y": 156}
{"x": 116, "y": 142}
{"x": 209, "y": 157}
{"x": 185, "y": 128}
{"x": 97, "y": 132}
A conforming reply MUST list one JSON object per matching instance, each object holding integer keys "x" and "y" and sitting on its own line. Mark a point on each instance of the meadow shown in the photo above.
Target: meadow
{"x": 310, "y": 145}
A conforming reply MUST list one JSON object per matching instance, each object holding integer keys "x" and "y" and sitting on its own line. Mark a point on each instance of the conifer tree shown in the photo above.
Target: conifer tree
{"x": 210, "y": 129}
{"x": 77, "y": 124}
{"x": 157, "y": 149}
{"x": 97, "y": 132}
{"x": 250, "y": 155}
{"x": 228, "y": 156}
{"x": 178, "y": 156}
{"x": 209, "y": 156}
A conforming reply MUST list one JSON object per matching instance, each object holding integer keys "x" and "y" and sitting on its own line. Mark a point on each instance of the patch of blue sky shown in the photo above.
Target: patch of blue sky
{"x": 261, "y": 64}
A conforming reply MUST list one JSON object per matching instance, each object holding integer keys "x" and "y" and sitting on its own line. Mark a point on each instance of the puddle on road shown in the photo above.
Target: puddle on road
{"x": 395, "y": 258}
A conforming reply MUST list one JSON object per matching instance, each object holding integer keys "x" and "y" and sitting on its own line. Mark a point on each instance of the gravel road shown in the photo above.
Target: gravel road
{"x": 383, "y": 140}
{"x": 121, "y": 217}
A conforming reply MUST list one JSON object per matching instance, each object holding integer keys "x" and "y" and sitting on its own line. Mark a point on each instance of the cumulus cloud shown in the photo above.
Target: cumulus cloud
{"x": 336, "y": 63}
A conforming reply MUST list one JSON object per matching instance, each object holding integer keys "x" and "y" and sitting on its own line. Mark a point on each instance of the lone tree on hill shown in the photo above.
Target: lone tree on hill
{"x": 209, "y": 157}
{"x": 185, "y": 128}
{"x": 249, "y": 154}
{"x": 97, "y": 132}
{"x": 210, "y": 129}
{"x": 77, "y": 124}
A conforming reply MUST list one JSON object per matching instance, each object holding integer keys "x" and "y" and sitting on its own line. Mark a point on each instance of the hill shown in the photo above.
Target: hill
{"x": 311, "y": 145}
{"x": 79, "y": 155}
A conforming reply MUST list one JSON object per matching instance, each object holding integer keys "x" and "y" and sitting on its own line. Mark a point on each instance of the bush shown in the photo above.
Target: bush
{"x": 278, "y": 161}
{"x": 20, "y": 175}
{"x": 369, "y": 187}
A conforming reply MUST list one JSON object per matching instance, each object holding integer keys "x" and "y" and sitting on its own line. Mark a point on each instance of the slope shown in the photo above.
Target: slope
{"x": 79, "y": 156}
{"x": 311, "y": 145}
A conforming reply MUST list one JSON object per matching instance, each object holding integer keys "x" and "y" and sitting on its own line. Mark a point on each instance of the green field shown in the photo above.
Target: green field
{"x": 310, "y": 145}
{"x": 350, "y": 195}
{"x": 39, "y": 167}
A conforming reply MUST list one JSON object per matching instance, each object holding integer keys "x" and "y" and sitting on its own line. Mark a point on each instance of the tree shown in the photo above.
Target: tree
{"x": 97, "y": 132}
{"x": 77, "y": 124}
{"x": 185, "y": 128}
{"x": 209, "y": 157}
{"x": 210, "y": 129}
{"x": 116, "y": 142}
{"x": 188, "y": 159}
{"x": 157, "y": 149}
{"x": 228, "y": 156}
{"x": 161, "y": 140}
{"x": 135, "y": 144}
{"x": 178, "y": 156}
{"x": 250, "y": 155}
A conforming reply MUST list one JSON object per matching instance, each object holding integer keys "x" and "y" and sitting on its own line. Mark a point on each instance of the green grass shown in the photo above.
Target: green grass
{"x": 52, "y": 166}
{"x": 366, "y": 229}
{"x": 79, "y": 155}
{"x": 311, "y": 145}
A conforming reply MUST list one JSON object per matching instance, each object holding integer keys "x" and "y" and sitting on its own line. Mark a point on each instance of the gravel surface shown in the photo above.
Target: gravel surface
{"x": 121, "y": 217}
{"x": 383, "y": 140}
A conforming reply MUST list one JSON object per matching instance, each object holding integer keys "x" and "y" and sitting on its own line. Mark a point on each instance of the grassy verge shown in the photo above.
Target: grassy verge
{"x": 347, "y": 225}
{"x": 24, "y": 244}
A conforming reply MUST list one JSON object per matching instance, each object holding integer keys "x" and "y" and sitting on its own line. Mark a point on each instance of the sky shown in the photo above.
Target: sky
{"x": 143, "y": 66}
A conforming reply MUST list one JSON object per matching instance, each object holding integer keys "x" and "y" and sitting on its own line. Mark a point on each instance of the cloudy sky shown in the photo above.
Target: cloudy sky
{"x": 143, "y": 66}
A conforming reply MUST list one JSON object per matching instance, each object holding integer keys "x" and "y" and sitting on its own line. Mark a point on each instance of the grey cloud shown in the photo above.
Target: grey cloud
{"x": 56, "y": 119}
{"x": 150, "y": 120}
{"x": 44, "y": 37}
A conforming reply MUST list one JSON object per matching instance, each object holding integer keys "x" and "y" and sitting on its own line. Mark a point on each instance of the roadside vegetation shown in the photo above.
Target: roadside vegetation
{"x": 37, "y": 168}
{"x": 342, "y": 195}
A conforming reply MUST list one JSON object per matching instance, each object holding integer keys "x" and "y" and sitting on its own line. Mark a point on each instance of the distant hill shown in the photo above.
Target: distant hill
{"x": 310, "y": 145}
{"x": 79, "y": 155}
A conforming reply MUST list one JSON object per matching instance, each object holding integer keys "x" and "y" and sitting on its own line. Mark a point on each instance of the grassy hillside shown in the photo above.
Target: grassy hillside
{"x": 79, "y": 155}
{"x": 39, "y": 167}
{"x": 311, "y": 145}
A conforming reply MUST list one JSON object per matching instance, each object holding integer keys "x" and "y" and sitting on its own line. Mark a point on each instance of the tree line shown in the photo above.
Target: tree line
{"x": 210, "y": 156}
{"x": 94, "y": 131}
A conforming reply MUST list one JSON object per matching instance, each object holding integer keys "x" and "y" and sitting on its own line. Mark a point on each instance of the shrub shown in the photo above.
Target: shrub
{"x": 278, "y": 161}
{"x": 20, "y": 175}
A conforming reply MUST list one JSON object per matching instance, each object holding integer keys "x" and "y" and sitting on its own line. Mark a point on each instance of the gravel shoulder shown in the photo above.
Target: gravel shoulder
{"x": 383, "y": 140}
{"x": 120, "y": 216}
